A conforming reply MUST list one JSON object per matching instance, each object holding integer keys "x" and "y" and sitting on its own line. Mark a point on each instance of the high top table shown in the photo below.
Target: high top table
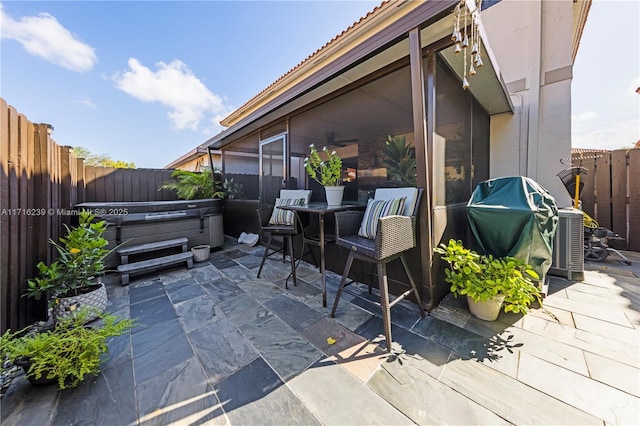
{"x": 321, "y": 209}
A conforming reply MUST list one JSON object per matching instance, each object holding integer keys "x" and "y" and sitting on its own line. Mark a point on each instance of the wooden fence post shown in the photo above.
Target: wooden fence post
{"x": 619, "y": 199}
{"x": 80, "y": 180}
{"x": 14, "y": 234}
{"x": 4, "y": 218}
{"x": 633, "y": 197}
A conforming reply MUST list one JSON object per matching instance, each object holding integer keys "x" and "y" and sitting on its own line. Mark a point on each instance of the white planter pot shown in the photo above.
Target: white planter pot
{"x": 488, "y": 310}
{"x": 95, "y": 299}
{"x": 201, "y": 253}
{"x": 334, "y": 195}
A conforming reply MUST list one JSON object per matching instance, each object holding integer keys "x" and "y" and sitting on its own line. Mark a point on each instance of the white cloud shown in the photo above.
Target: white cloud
{"x": 633, "y": 86}
{"x": 86, "y": 102}
{"x": 605, "y": 135}
{"x": 616, "y": 124}
{"x": 43, "y": 36}
{"x": 174, "y": 86}
{"x": 584, "y": 117}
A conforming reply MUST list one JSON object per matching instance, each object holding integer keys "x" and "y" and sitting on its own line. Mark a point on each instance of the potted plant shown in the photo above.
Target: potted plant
{"x": 194, "y": 185}
{"x": 72, "y": 280}
{"x": 65, "y": 353}
{"x": 400, "y": 160}
{"x": 232, "y": 190}
{"x": 203, "y": 185}
{"x": 327, "y": 173}
{"x": 489, "y": 283}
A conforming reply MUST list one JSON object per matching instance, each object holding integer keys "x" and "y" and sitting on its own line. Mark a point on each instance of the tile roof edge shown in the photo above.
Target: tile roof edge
{"x": 231, "y": 118}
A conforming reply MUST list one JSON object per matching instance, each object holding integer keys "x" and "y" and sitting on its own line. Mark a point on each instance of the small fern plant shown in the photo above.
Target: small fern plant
{"x": 68, "y": 352}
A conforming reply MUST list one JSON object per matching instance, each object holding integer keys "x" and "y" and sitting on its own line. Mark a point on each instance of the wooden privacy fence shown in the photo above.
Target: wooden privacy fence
{"x": 40, "y": 183}
{"x": 611, "y": 192}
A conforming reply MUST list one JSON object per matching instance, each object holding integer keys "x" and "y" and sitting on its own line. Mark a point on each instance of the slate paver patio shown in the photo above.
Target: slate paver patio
{"x": 215, "y": 345}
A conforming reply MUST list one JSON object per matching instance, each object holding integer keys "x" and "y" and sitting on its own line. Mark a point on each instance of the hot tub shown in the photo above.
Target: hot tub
{"x": 133, "y": 223}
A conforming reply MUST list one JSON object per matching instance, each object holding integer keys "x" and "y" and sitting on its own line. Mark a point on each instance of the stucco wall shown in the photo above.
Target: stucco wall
{"x": 532, "y": 43}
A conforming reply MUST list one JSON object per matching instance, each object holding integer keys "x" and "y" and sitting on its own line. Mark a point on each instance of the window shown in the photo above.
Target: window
{"x": 461, "y": 140}
{"x": 356, "y": 124}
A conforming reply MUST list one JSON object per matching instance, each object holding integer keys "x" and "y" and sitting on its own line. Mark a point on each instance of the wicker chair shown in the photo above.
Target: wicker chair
{"x": 395, "y": 235}
{"x": 285, "y": 231}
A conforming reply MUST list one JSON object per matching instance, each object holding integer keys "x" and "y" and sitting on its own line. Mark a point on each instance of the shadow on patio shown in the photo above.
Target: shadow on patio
{"x": 216, "y": 345}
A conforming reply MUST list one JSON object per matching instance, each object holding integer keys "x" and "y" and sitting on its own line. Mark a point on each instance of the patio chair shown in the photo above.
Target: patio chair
{"x": 379, "y": 235}
{"x": 282, "y": 223}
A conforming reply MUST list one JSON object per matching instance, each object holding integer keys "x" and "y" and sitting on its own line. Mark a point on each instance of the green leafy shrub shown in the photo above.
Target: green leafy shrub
{"x": 68, "y": 352}
{"x": 400, "y": 160}
{"x": 483, "y": 277}
{"x": 81, "y": 257}
{"x": 194, "y": 185}
{"x": 232, "y": 190}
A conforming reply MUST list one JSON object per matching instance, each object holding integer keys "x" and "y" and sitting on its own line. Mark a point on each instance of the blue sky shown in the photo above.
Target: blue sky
{"x": 147, "y": 81}
{"x": 606, "y": 74}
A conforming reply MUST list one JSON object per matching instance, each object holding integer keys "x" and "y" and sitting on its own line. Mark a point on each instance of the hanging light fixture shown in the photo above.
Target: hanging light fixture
{"x": 467, "y": 38}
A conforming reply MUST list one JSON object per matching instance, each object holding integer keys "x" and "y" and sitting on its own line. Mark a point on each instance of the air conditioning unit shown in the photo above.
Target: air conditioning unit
{"x": 568, "y": 246}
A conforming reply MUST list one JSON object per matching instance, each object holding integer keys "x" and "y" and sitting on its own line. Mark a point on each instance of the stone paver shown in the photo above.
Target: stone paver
{"x": 216, "y": 345}
{"x": 349, "y": 403}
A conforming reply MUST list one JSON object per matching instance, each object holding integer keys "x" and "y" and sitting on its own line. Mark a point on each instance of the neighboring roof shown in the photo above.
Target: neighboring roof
{"x": 586, "y": 150}
{"x": 191, "y": 155}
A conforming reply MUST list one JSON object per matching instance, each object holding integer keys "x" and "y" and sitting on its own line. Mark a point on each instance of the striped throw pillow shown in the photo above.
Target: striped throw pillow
{"x": 377, "y": 209}
{"x": 284, "y": 217}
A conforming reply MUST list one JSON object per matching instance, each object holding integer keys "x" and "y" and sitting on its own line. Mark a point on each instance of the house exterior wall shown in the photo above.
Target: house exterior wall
{"x": 196, "y": 164}
{"x": 533, "y": 44}
{"x": 535, "y": 51}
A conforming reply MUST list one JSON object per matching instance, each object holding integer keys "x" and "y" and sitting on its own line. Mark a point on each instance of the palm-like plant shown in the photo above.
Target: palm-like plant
{"x": 194, "y": 185}
{"x": 400, "y": 160}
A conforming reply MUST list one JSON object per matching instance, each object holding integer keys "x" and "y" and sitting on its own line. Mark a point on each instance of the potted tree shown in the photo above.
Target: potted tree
{"x": 72, "y": 281}
{"x": 400, "y": 160}
{"x": 327, "y": 173}
{"x": 489, "y": 283}
{"x": 206, "y": 184}
{"x": 65, "y": 353}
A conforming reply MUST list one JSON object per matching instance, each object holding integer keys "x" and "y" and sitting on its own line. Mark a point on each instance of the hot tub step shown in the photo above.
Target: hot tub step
{"x": 154, "y": 264}
{"x": 125, "y": 252}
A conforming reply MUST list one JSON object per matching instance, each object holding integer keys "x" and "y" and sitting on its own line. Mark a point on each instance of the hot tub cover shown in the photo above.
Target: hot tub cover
{"x": 514, "y": 216}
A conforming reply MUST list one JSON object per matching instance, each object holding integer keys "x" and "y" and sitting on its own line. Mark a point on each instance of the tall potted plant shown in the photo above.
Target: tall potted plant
{"x": 489, "y": 283}
{"x": 400, "y": 160}
{"x": 72, "y": 281}
{"x": 327, "y": 173}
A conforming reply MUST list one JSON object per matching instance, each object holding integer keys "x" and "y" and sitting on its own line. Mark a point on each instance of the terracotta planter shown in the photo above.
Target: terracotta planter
{"x": 334, "y": 195}
{"x": 93, "y": 296}
{"x": 487, "y": 310}
{"x": 201, "y": 253}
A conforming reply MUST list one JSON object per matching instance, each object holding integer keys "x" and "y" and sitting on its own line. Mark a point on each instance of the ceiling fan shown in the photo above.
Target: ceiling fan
{"x": 332, "y": 141}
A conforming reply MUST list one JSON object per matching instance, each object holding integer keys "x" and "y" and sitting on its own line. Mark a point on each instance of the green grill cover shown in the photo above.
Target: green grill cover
{"x": 514, "y": 216}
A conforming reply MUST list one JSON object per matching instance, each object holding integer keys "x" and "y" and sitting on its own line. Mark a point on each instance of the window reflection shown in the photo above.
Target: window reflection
{"x": 241, "y": 164}
{"x": 453, "y": 145}
{"x": 357, "y": 125}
